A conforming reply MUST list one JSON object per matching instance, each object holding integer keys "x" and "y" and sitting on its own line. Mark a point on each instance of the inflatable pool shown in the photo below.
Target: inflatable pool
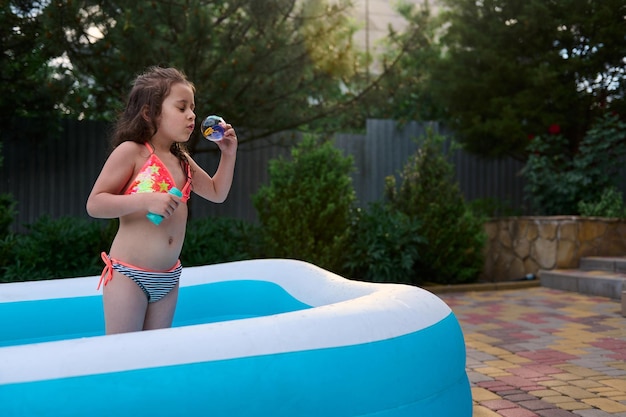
{"x": 263, "y": 338}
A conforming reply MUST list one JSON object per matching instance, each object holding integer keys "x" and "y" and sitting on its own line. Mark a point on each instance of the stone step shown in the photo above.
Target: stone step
{"x": 603, "y": 263}
{"x": 592, "y": 282}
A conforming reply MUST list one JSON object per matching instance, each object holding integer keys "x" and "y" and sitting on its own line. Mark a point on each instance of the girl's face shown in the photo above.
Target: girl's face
{"x": 177, "y": 119}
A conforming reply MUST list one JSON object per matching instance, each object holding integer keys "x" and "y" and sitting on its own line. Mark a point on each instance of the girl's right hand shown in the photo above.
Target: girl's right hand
{"x": 163, "y": 204}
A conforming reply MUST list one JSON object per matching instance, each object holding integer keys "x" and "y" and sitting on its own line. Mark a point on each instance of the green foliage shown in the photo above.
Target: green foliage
{"x": 384, "y": 246}
{"x": 546, "y": 172}
{"x": 492, "y": 207}
{"x": 268, "y": 65}
{"x": 7, "y": 208}
{"x": 216, "y": 239}
{"x": 30, "y": 87}
{"x": 510, "y": 69}
{"x": 610, "y": 204}
{"x": 70, "y": 247}
{"x": 305, "y": 211}
{"x": 66, "y": 247}
{"x": 557, "y": 178}
{"x": 408, "y": 59}
{"x": 7, "y": 213}
{"x": 455, "y": 237}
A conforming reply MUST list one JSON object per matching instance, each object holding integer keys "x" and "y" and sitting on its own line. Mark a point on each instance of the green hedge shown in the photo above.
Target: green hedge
{"x": 215, "y": 240}
{"x": 66, "y": 247}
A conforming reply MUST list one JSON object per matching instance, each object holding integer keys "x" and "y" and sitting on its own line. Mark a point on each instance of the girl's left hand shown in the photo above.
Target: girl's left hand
{"x": 228, "y": 144}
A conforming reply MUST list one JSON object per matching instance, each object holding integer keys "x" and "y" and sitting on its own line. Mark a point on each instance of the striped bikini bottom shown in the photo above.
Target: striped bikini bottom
{"x": 155, "y": 284}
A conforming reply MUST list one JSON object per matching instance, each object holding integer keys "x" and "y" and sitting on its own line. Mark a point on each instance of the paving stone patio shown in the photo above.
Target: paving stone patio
{"x": 540, "y": 352}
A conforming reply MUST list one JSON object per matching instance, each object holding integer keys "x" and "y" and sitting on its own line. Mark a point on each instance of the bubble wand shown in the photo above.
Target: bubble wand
{"x": 157, "y": 218}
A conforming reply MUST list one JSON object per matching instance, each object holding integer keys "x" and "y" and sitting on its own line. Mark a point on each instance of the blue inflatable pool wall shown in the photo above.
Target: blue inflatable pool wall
{"x": 253, "y": 338}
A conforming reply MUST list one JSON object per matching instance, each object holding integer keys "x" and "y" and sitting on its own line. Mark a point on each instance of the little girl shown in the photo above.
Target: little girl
{"x": 142, "y": 269}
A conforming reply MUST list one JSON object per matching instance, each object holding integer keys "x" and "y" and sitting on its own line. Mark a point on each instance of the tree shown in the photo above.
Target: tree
{"x": 30, "y": 87}
{"x": 515, "y": 69}
{"x": 270, "y": 66}
{"x": 404, "y": 92}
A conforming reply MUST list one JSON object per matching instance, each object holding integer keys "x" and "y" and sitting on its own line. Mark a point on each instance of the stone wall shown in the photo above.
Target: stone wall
{"x": 518, "y": 246}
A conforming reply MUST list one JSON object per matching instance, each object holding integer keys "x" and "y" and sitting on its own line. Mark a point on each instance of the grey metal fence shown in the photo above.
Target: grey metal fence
{"x": 54, "y": 175}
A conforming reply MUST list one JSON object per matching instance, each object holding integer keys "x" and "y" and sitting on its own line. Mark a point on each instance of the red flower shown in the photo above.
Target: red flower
{"x": 554, "y": 129}
{"x": 531, "y": 136}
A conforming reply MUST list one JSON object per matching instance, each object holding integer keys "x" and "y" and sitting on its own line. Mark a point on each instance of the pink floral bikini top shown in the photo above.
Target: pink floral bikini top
{"x": 154, "y": 177}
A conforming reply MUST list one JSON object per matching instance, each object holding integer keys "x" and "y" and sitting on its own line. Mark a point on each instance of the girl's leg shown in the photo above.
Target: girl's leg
{"x": 161, "y": 313}
{"x": 125, "y": 305}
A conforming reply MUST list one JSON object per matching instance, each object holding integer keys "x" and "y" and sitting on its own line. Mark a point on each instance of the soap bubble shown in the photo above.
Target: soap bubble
{"x": 212, "y": 128}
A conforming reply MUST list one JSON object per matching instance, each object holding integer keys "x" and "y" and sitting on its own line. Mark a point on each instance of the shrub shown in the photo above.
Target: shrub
{"x": 70, "y": 247}
{"x": 454, "y": 236}
{"x": 66, "y": 247}
{"x": 610, "y": 204}
{"x": 7, "y": 254}
{"x": 384, "y": 246}
{"x": 7, "y": 209}
{"x": 306, "y": 210}
{"x": 557, "y": 179}
{"x": 216, "y": 239}
{"x": 7, "y": 214}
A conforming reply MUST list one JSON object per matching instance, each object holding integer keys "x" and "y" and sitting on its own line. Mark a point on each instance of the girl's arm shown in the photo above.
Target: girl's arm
{"x": 216, "y": 188}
